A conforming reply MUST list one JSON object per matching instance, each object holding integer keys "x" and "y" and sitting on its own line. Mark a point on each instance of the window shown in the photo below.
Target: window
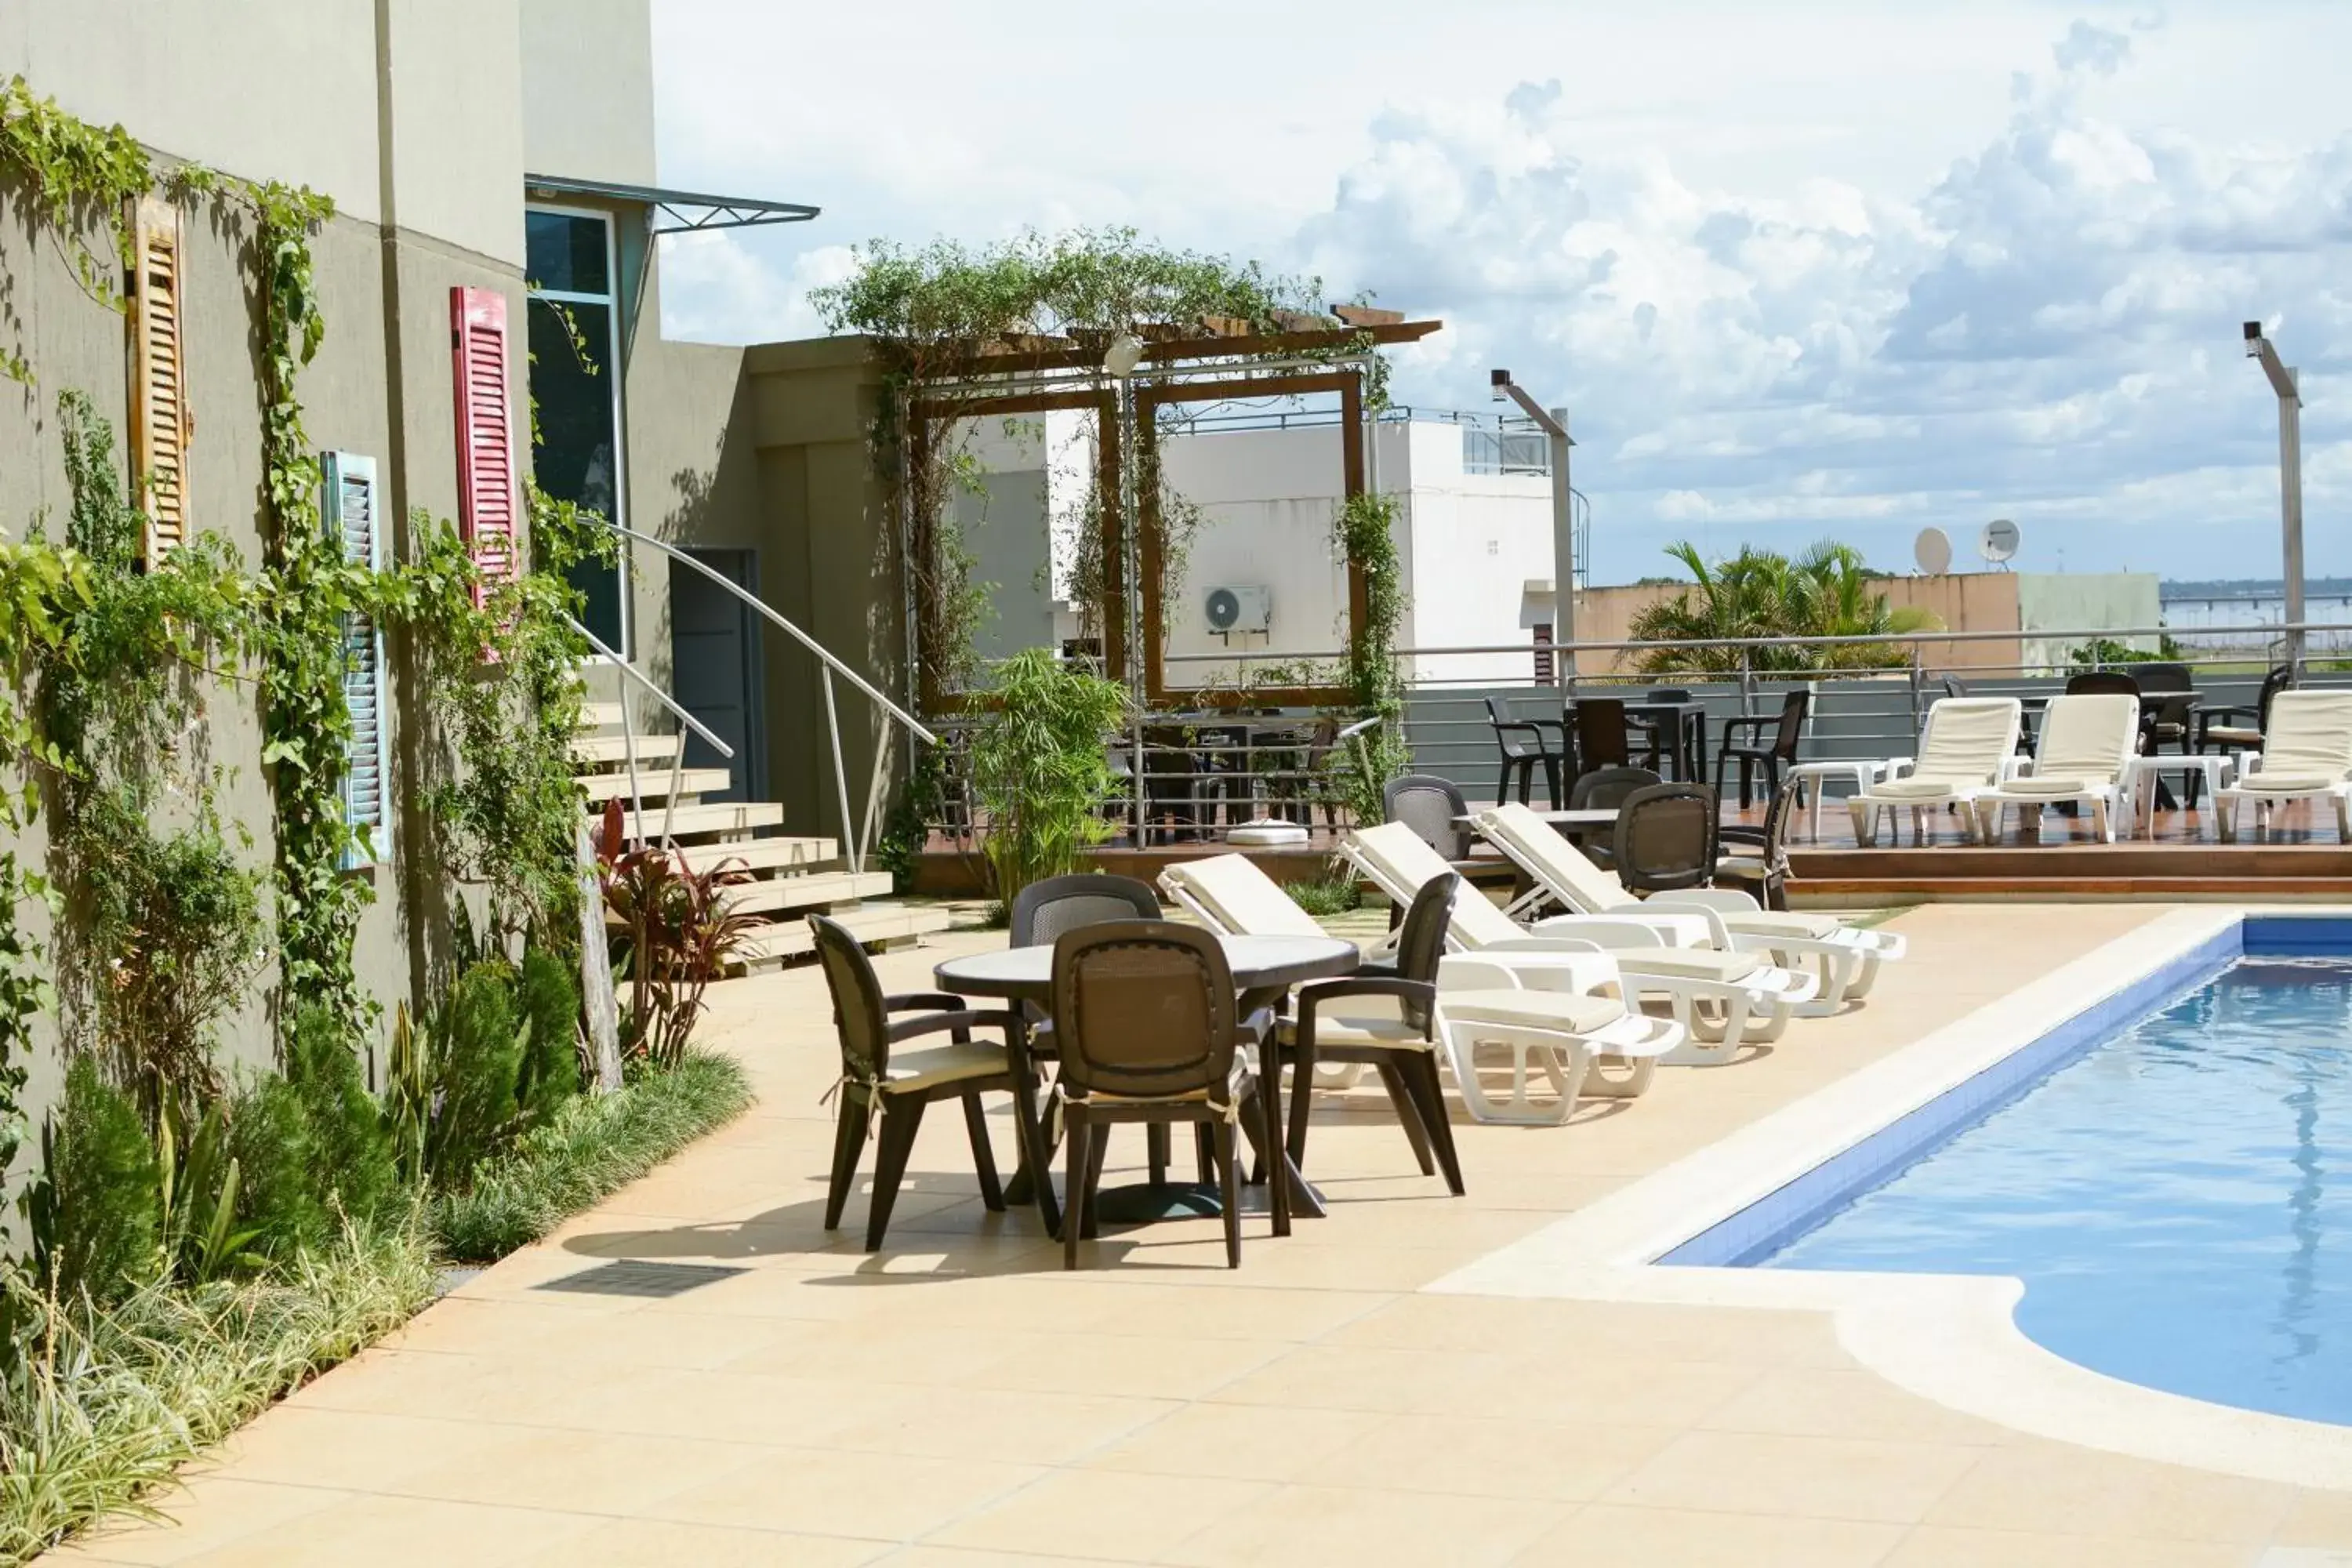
{"x": 575, "y": 388}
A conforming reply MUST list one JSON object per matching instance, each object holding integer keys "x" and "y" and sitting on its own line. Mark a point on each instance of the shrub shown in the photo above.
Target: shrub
{"x": 349, "y": 1141}
{"x": 1040, "y": 767}
{"x": 549, "y": 1000}
{"x": 1332, "y": 895}
{"x": 282, "y": 1184}
{"x": 94, "y": 1219}
{"x": 591, "y": 1147}
{"x": 120, "y": 1397}
{"x": 476, "y": 1048}
{"x": 677, "y": 935}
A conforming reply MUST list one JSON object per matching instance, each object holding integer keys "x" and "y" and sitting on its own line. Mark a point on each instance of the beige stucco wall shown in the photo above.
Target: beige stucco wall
{"x": 381, "y": 384}
{"x": 588, "y": 90}
{"x": 1970, "y": 602}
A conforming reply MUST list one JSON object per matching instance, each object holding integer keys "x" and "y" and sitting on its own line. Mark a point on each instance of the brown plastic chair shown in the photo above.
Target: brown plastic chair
{"x": 1398, "y": 1040}
{"x": 2221, "y": 729}
{"x": 1147, "y": 1017}
{"x": 1666, "y": 838}
{"x": 879, "y": 1080}
{"x": 1762, "y": 871}
{"x": 1602, "y": 735}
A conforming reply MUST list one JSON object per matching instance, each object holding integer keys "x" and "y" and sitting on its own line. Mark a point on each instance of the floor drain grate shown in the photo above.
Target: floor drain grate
{"x": 630, "y": 1276}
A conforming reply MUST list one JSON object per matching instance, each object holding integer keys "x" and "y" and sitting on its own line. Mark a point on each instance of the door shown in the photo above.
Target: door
{"x": 715, "y": 668}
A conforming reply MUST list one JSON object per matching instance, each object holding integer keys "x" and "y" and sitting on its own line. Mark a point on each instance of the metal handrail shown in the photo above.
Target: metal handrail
{"x": 858, "y": 834}
{"x": 831, "y": 660}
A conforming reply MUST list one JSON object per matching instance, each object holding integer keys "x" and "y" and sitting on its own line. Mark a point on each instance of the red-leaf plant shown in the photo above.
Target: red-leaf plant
{"x": 673, "y": 934}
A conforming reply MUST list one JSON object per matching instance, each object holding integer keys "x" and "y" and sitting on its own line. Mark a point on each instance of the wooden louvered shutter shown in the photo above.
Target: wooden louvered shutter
{"x": 353, "y": 525}
{"x": 159, "y": 421}
{"x": 486, "y": 450}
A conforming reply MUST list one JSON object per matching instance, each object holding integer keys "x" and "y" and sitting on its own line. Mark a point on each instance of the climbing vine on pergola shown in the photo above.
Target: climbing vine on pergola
{"x": 1022, "y": 328}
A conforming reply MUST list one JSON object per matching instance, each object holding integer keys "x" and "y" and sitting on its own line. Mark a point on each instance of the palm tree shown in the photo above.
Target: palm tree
{"x": 1760, "y": 593}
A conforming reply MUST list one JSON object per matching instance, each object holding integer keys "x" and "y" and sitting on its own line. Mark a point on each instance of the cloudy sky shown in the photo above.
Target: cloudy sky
{"x": 1797, "y": 270}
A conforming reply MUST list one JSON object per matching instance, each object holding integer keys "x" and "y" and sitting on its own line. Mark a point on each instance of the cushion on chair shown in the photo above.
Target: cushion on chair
{"x": 2035, "y": 784}
{"x": 1569, "y": 1012}
{"x": 2230, "y": 735}
{"x": 933, "y": 1064}
{"x": 1785, "y": 923}
{"x": 1358, "y": 1023}
{"x": 1688, "y": 962}
{"x": 1911, "y": 789}
{"x": 2265, "y": 783}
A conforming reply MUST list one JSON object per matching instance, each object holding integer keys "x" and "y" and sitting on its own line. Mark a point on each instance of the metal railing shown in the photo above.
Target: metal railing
{"x": 1201, "y": 765}
{"x": 828, "y": 665}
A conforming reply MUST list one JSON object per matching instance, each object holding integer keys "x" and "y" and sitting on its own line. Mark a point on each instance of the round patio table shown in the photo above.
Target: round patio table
{"x": 1265, "y": 968}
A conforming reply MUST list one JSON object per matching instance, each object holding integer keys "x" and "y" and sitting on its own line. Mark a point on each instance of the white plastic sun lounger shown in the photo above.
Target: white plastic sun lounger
{"x": 1724, "y": 1000}
{"x": 1964, "y": 751}
{"x": 1558, "y": 1027}
{"x": 2306, "y": 755}
{"x": 2087, "y": 743}
{"x": 1846, "y": 959}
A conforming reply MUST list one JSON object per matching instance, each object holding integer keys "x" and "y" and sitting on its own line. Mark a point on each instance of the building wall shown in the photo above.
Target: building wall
{"x": 821, "y": 524}
{"x": 441, "y": 210}
{"x": 1474, "y": 544}
{"x": 588, "y": 90}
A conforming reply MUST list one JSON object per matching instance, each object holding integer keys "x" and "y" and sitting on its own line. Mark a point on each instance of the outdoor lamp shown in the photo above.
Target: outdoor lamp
{"x": 1126, "y": 352}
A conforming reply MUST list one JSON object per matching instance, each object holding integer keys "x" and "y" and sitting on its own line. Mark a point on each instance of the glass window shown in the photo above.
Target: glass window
{"x": 565, "y": 253}
{"x": 576, "y": 453}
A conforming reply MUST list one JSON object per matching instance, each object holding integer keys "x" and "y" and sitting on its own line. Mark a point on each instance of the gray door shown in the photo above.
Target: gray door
{"x": 714, "y": 666}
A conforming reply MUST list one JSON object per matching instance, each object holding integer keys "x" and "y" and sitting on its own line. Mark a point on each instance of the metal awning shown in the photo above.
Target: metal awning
{"x": 677, "y": 212}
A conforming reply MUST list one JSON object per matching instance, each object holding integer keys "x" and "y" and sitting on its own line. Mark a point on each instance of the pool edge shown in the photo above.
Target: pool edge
{"x": 1952, "y": 1339}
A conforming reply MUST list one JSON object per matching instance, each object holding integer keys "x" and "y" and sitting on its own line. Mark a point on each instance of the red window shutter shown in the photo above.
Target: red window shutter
{"x": 485, "y": 448}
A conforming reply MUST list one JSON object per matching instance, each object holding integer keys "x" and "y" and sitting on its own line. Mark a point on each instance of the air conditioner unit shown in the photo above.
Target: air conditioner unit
{"x": 1229, "y": 610}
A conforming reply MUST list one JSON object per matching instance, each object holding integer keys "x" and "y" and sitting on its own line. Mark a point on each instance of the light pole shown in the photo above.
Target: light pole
{"x": 1554, "y": 425}
{"x": 2290, "y": 404}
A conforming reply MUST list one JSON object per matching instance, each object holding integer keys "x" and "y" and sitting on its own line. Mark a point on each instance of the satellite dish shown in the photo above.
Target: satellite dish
{"x": 1998, "y": 540}
{"x": 1223, "y": 609}
{"x": 1933, "y": 550}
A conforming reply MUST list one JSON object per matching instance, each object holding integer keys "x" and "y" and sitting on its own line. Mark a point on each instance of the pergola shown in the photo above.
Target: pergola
{"x": 1216, "y": 359}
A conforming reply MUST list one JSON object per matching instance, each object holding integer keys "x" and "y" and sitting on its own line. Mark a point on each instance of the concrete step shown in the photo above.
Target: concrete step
{"x": 696, "y": 821}
{"x": 652, "y": 784}
{"x": 614, "y": 749}
{"x": 816, "y": 890}
{"x": 774, "y": 853}
{"x": 877, "y": 925}
{"x": 600, "y": 716}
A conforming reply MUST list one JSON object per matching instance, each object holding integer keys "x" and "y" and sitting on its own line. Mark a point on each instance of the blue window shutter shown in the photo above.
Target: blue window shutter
{"x": 352, "y": 518}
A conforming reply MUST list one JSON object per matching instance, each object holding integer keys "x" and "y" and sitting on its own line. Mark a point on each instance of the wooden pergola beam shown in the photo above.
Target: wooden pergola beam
{"x": 1012, "y": 359}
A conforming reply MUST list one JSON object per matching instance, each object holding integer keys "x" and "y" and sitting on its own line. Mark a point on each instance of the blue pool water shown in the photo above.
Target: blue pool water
{"x": 2178, "y": 1200}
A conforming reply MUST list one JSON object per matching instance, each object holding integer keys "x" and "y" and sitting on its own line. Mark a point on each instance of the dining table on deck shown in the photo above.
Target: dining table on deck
{"x": 1265, "y": 968}
{"x": 1686, "y": 720}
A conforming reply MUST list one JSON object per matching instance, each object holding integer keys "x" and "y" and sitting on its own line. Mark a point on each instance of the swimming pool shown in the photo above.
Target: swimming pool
{"x": 2176, "y": 1191}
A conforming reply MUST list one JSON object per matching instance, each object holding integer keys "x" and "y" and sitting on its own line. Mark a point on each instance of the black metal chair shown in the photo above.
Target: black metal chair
{"x": 1524, "y": 749}
{"x": 1753, "y": 859}
{"x": 1149, "y": 1033}
{"x": 879, "y": 1081}
{"x": 1666, "y": 838}
{"x": 2221, "y": 729}
{"x": 1395, "y": 1035}
{"x": 1776, "y": 756}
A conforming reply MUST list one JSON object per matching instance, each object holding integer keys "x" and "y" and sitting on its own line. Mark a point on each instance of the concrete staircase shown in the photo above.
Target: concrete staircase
{"x": 777, "y": 880}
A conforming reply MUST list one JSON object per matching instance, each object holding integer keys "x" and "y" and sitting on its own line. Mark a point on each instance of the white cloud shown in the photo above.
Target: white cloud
{"x": 1856, "y": 270}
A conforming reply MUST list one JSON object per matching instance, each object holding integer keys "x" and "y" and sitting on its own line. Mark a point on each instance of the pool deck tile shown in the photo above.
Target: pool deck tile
{"x": 958, "y": 1401}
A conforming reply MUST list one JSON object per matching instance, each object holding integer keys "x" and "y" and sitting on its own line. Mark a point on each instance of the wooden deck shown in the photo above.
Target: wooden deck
{"x": 2298, "y": 858}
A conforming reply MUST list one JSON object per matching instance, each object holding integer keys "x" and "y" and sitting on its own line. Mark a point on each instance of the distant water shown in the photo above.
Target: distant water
{"x": 2179, "y": 1202}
